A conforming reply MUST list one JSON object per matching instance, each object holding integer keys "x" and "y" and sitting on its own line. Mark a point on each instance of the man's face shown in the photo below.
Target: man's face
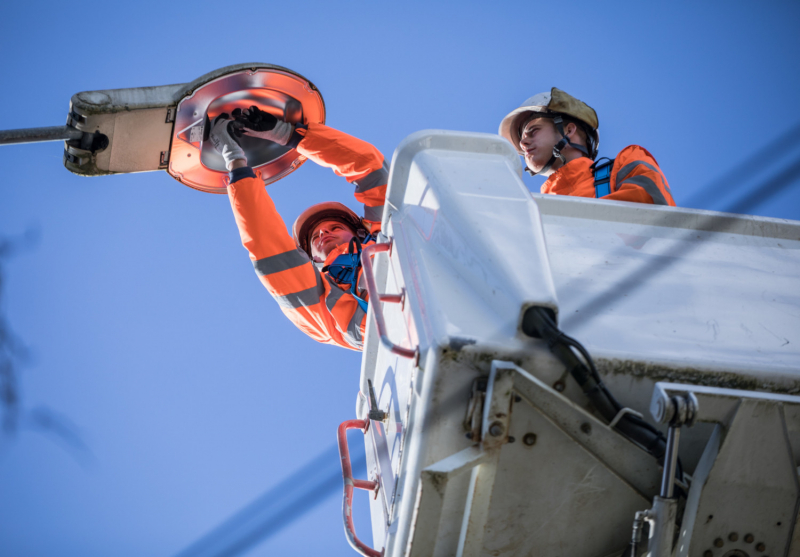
{"x": 537, "y": 139}
{"x": 325, "y": 236}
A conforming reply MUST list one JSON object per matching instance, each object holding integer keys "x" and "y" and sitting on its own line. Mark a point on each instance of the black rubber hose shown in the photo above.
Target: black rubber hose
{"x": 539, "y": 322}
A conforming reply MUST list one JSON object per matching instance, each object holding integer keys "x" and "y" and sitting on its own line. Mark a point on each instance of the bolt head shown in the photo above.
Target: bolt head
{"x": 749, "y": 538}
{"x": 468, "y": 435}
{"x": 760, "y": 546}
{"x": 496, "y": 429}
{"x": 718, "y": 542}
{"x": 559, "y": 386}
{"x": 529, "y": 439}
{"x": 733, "y": 536}
{"x": 586, "y": 427}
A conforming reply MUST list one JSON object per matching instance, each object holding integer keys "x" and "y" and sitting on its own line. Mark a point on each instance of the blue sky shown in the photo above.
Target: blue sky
{"x": 148, "y": 330}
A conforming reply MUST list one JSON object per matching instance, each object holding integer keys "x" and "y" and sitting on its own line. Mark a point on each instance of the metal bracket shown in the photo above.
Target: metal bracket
{"x": 507, "y": 381}
{"x": 375, "y": 300}
{"x": 375, "y": 413}
{"x": 746, "y": 477}
{"x": 474, "y": 415}
{"x": 497, "y": 407}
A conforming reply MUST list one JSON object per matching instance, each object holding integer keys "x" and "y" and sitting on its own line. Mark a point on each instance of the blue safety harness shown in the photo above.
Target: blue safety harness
{"x": 602, "y": 176}
{"x": 344, "y": 269}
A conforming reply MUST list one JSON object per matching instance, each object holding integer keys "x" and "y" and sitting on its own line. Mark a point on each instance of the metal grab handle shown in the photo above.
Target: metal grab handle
{"x": 376, "y": 299}
{"x": 349, "y": 484}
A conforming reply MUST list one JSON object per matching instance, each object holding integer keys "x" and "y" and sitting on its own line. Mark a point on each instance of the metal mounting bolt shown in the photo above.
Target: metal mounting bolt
{"x": 708, "y": 553}
{"x": 718, "y": 542}
{"x": 496, "y": 429}
{"x": 511, "y": 439}
{"x": 468, "y": 435}
{"x": 529, "y": 439}
{"x": 586, "y": 428}
{"x": 559, "y": 386}
{"x": 749, "y": 538}
{"x": 760, "y": 546}
{"x": 733, "y": 537}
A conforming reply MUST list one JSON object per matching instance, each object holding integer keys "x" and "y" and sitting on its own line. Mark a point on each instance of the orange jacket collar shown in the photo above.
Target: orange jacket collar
{"x": 572, "y": 179}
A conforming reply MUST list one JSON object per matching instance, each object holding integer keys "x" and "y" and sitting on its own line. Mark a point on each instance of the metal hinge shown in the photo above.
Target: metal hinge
{"x": 73, "y": 119}
{"x": 474, "y": 415}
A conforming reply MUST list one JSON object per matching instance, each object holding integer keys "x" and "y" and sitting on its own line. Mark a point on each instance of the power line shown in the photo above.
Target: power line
{"x": 287, "y": 502}
{"x": 279, "y": 507}
{"x": 764, "y": 157}
{"x": 637, "y": 279}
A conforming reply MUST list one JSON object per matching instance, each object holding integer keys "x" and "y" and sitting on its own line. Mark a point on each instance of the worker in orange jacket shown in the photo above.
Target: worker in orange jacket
{"x": 313, "y": 274}
{"x": 557, "y": 135}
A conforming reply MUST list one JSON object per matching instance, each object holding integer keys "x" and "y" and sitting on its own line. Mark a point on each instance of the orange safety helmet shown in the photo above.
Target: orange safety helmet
{"x": 330, "y": 210}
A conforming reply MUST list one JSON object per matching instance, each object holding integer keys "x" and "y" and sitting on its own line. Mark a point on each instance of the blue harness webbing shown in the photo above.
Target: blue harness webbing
{"x": 602, "y": 178}
{"x": 344, "y": 270}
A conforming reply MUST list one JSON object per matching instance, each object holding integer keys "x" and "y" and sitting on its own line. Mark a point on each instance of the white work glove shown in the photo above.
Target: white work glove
{"x": 222, "y": 137}
{"x": 257, "y": 123}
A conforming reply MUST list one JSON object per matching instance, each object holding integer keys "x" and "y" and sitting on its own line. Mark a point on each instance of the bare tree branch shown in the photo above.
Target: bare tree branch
{"x": 13, "y": 355}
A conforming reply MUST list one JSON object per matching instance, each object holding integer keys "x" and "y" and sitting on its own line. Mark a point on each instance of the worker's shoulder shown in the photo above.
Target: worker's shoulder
{"x": 634, "y": 153}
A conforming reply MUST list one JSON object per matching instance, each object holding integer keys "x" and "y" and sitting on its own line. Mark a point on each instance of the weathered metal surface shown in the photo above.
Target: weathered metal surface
{"x": 137, "y": 123}
{"x": 433, "y": 489}
{"x": 746, "y": 481}
{"x": 466, "y": 287}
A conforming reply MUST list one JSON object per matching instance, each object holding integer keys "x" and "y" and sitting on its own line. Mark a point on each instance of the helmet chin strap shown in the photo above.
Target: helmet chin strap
{"x": 563, "y": 142}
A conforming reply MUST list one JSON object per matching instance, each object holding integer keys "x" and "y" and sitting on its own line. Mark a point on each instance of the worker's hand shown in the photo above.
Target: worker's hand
{"x": 257, "y": 123}
{"x": 222, "y": 137}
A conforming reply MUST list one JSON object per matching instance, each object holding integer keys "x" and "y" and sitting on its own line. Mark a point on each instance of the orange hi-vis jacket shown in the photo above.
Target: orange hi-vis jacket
{"x": 310, "y": 298}
{"x": 635, "y": 176}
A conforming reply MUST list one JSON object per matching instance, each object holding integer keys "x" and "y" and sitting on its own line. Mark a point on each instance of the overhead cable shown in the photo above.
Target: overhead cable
{"x": 278, "y": 507}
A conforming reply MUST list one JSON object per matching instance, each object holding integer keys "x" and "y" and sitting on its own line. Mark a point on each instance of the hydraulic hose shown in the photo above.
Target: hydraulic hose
{"x": 539, "y": 322}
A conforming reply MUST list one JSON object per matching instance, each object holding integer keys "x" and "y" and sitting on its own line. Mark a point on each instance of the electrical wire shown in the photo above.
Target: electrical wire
{"x": 278, "y": 507}
{"x": 270, "y": 526}
{"x": 766, "y": 156}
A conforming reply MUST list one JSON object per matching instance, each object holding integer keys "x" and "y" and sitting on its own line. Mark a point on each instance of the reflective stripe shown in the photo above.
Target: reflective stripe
{"x": 649, "y": 186}
{"x": 281, "y": 262}
{"x": 374, "y": 179}
{"x": 354, "y": 328}
{"x": 334, "y": 294}
{"x": 304, "y": 298}
{"x": 374, "y": 214}
{"x": 625, "y": 170}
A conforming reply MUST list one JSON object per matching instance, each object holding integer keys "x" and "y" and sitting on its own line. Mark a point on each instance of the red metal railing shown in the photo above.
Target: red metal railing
{"x": 349, "y": 484}
{"x": 375, "y": 300}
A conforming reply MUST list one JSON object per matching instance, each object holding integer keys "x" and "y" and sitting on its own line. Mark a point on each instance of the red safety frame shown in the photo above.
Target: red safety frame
{"x": 375, "y": 300}
{"x": 350, "y": 483}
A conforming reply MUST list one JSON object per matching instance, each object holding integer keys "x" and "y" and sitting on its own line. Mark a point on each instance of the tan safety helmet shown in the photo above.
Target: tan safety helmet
{"x": 330, "y": 210}
{"x": 549, "y": 105}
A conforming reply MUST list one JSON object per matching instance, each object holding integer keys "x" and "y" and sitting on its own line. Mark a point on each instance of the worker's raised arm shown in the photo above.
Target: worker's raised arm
{"x": 357, "y": 161}
{"x": 637, "y": 177}
{"x": 285, "y": 271}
